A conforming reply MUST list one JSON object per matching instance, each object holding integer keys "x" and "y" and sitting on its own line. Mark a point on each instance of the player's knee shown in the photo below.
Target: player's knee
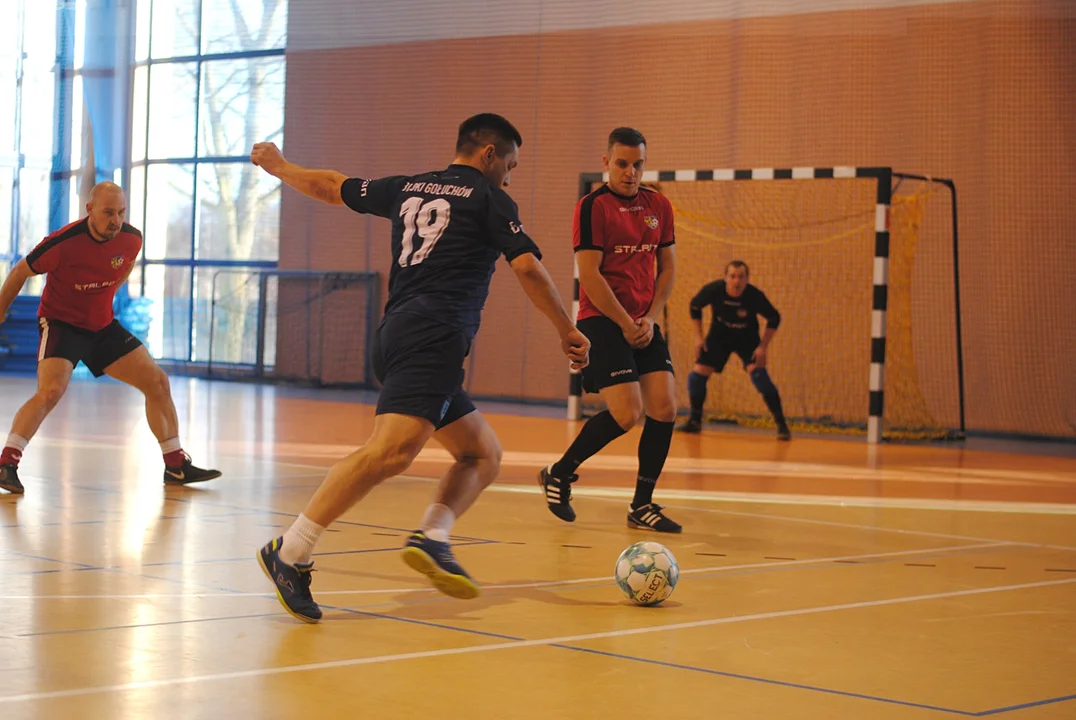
{"x": 485, "y": 456}
{"x": 628, "y": 413}
{"x": 493, "y": 453}
{"x": 158, "y": 384}
{"x": 762, "y": 382}
{"x": 664, "y": 411}
{"x": 50, "y": 394}
{"x": 395, "y": 457}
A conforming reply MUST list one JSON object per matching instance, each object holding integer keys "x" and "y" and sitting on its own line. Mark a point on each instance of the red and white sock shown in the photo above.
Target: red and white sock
{"x": 173, "y": 453}
{"x": 13, "y": 450}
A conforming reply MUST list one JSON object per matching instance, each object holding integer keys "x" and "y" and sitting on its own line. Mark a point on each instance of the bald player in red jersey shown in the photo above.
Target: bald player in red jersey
{"x": 620, "y": 231}
{"x": 86, "y": 262}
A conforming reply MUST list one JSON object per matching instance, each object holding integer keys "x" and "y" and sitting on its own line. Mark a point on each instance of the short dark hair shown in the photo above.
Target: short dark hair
{"x": 487, "y": 129}
{"x": 626, "y": 136}
{"x": 738, "y": 264}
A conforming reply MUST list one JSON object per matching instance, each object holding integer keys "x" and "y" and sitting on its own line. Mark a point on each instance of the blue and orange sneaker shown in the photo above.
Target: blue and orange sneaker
{"x": 435, "y": 560}
{"x": 292, "y": 582}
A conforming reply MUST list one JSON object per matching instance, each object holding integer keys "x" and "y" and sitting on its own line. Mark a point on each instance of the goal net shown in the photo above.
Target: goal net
{"x": 843, "y": 289}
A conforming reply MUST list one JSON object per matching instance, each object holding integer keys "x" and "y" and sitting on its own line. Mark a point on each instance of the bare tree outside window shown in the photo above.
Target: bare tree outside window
{"x": 240, "y": 102}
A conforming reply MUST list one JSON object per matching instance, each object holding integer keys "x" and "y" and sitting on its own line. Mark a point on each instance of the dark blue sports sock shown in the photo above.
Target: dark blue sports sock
{"x": 696, "y": 390}
{"x": 761, "y": 380}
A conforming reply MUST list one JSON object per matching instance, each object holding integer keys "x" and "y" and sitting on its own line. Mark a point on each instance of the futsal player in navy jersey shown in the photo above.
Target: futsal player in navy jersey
{"x": 449, "y": 227}
{"x": 735, "y": 306}
{"x": 84, "y": 264}
{"x": 622, "y": 231}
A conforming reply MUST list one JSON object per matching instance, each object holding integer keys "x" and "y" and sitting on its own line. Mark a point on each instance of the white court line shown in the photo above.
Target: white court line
{"x": 518, "y": 586}
{"x": 270, "y": 452}
{"x": 563, "y": 640}
{"x": 810, "y": 500}
{"x": 618, "y": 495}
{"x": 831, "y": 523}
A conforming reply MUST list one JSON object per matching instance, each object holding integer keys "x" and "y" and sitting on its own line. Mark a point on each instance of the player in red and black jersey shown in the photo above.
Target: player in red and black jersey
{"x": 735, "y": 305}
{"x": 621, "y": 231}
{"x": 86, "y": 262}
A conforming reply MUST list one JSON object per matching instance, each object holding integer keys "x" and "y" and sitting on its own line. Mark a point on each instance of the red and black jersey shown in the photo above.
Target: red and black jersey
{"x": 83, "y": 273}
{"x": 628, "y": 231}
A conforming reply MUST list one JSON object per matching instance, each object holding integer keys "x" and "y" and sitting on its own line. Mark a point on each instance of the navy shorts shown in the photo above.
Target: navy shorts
{"x": 613, "y": 361}
{"x": 719, "y": 347}
{"x": 419, "y": 363}
{"x": 97, "y": 349}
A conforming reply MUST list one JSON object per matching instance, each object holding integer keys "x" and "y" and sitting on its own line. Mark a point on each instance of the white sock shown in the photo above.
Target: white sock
{"x": 299, "y": 540}
{"x": 437, "y": 522}
{"x": 18, "y": 444}
{"x": 17, "y": 441}
{"x": 171, "y": 446}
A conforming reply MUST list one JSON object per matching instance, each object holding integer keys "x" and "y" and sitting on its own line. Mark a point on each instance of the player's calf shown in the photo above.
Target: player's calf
{"x": 762, "y": 382}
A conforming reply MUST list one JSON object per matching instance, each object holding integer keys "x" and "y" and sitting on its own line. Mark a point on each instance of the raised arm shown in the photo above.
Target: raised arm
{"x": 324, "y": 185}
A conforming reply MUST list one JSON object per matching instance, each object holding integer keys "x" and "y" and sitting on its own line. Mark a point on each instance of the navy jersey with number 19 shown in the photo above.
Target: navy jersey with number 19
{"x": 448, "y": 229}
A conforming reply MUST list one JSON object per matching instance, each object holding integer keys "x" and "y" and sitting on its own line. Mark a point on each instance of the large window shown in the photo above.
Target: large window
{"x": 27, "y": 89}
{"x": 208, "y": 84}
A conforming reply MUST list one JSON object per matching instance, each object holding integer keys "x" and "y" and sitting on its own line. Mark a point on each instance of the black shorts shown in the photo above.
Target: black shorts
{"x": 97, "y": 349}
{"x": 720, "y": 347}
{"x": 419, "y": 363}
{"x": 613, "y": 361}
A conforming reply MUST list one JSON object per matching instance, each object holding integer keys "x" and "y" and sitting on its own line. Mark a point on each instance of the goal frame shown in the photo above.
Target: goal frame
{"x": 883, "y": 177}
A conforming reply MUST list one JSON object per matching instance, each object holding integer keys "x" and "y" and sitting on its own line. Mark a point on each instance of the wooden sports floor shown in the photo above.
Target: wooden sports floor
{"x": 820, "y": 579}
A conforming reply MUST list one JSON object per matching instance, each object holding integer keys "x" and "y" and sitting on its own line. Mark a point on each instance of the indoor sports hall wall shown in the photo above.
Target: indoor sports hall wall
{"x": 981, "y": 92}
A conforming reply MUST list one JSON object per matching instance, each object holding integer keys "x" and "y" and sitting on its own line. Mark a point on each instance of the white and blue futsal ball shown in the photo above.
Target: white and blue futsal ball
{"x": 647, "y": 573}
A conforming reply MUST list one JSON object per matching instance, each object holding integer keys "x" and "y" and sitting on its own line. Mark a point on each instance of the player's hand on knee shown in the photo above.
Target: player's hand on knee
{"x": 759, "y": 359}
{"x": 644, "y": 333}
{"x": 577, "y": 347}
{"x": 700, "y": 347}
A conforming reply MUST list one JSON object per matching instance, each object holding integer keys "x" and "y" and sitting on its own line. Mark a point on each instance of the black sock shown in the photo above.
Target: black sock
{"x": 598, "y": 432}
{"x": 653, "y": 450}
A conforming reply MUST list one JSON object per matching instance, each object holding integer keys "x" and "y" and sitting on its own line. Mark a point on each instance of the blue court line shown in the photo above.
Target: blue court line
{"x": 781, "y": 683}
{"x": 425, "y": 623}
{"x": 81, "y": 566}
{"x": 212, "y": 561}
{"x": 483, "y": 633}
{"x": 352, "y": 523}
{"x": 121, "y": 571}
{"x": 103, "y": 628}
{"x": 61, "y": 523}
{"x": 53, "y": 524}
{"x": 1024, "y": 706}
